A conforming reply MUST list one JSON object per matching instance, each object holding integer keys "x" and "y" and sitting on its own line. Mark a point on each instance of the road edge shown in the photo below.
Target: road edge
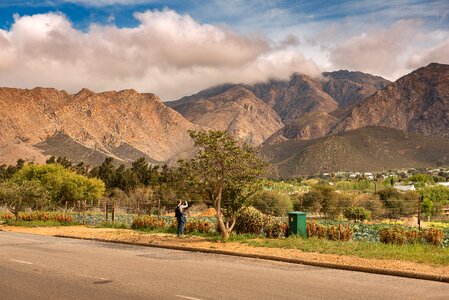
{"x": 397, "y": 273}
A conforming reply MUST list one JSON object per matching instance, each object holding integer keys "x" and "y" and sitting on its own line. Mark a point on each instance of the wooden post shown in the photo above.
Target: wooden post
{"x": 79, "y": 210}
{"x": 106, "y": 210}
{"x": 84, "y": 212}
{"x": 419, "y": 212}
{"x": 113, "y": 212}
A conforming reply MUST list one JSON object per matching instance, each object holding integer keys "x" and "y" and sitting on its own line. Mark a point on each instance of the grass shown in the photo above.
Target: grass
{"x": 419, "y": 253}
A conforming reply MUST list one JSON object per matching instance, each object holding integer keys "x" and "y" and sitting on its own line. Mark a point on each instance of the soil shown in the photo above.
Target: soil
{"x": 199, "y": 242}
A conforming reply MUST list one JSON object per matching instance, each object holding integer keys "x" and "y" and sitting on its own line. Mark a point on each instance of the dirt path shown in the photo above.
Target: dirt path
{"x": 201, "y": 243}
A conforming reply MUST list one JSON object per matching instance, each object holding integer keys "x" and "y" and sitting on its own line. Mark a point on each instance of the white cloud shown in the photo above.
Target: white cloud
{"x": 389, "y": 52}
{"x": 107, "y": 2}
{"x": 439, "y": 53}
{"x": 168, "y": 54}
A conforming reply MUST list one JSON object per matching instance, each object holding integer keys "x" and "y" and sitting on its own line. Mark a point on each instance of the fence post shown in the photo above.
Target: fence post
{"x": 113, "y": 212}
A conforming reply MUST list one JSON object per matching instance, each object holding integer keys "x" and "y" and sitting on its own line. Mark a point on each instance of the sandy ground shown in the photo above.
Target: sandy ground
{"x": 199, "y": 242}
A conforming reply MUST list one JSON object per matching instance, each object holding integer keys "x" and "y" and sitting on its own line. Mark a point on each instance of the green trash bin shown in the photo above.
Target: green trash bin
{"x": 297, "y": 223}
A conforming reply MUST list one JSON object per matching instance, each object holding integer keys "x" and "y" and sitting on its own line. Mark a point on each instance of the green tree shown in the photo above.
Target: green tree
{"x": 106, "y": 172}
{"x": 220, "y": 164}
{"x": 19, "y": 196}
{"x": 63, "y": 186}
{"x": 141, "y": 169}
{"x": 434, "y": 198}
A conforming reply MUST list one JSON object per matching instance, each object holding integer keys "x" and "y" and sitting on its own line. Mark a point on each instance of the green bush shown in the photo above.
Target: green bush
{"x": 250, "y": 220}
{"x": 271, "y": 202}
{"x": 357, "y": 213}
{"x": 274, "y": 228}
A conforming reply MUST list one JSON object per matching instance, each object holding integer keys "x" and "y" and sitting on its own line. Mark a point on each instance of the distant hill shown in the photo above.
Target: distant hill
{"x": 89, "y": 126}
{"x": 340, "y": 121}
{"x": 231, "y": 108}
{"x": 349, "y": 88}
{"x": 296, "y": 97}
{"x": 364, "y": 149}
{"x": 417, "y": 102}
{"x": 295, "y": 101}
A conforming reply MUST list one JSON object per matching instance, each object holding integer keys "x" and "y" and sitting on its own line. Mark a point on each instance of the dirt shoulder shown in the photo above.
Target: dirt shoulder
{"x": 126, "y": 235}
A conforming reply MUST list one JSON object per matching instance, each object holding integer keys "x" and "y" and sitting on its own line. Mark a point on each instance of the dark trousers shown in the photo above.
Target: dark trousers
{"x": 181, "y": 223}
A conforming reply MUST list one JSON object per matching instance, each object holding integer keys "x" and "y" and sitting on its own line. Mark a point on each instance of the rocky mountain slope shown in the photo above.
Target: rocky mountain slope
{"x": 233, "y": 109}
{"x": 417, "y": 102}
{"x": 89, "y": 126}
{"x": 349, "y": 88}
{"x": 300, "y": 102}
{"x": 364, "y": 149}
{"x": 294, "y": 98}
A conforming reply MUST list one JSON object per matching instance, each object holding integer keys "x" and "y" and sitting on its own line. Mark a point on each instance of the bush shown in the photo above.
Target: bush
{"x": 274, "y": 228}
{"x": 150, "y": 222}
{"x": 357, "y": 213}
{"x": 399, "y": 236}
{"x": 392, "y": 236}
{"x": 433, "y": 236}
{"x": 249, "y": 220}
{"x": 340, "y": 233}
{"x": 45, "y": 216}
{"x": 198, "y": 226}
{"x": 271, "y": 202}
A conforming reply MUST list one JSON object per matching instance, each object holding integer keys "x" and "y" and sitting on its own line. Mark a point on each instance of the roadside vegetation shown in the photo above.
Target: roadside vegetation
{"x": 230, "y": 200}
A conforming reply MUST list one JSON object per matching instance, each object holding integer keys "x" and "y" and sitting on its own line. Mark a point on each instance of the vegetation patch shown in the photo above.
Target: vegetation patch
{"x": 420, "y": 253}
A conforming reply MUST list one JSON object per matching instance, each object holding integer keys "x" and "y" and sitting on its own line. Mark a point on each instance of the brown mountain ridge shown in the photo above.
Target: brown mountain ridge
{"x": 89, "y": 126}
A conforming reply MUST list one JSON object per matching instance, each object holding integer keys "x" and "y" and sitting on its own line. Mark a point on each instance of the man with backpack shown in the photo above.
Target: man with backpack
{"x": 180, "y": 216}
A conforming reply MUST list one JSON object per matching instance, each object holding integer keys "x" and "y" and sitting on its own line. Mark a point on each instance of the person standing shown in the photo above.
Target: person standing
{"x": 181, "y": 216}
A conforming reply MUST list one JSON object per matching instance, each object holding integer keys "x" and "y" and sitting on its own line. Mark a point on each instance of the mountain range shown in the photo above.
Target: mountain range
{"x": 339, "y": 121}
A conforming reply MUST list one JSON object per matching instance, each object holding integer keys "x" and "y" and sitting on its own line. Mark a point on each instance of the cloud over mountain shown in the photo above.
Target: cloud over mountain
{"x": 167, "y": 53}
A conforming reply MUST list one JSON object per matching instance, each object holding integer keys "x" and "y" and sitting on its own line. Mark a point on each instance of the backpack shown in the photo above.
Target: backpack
{"x": 178, "y": 212}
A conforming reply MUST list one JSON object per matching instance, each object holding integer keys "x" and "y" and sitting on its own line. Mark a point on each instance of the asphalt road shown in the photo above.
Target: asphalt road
{"x": 39, "y": 267}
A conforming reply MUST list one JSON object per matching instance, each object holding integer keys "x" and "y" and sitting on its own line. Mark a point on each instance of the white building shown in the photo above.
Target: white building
{"x": 405, "y": 188}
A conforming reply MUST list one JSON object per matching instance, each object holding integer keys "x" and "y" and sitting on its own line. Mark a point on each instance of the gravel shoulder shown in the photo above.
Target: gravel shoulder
{"x": 126, "y": 235}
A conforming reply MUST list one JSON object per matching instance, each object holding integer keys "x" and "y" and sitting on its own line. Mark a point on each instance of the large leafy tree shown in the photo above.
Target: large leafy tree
{"x": 19, "y": 196}
{"x": 63, "y": 186}
{"x": 221, "y": 166}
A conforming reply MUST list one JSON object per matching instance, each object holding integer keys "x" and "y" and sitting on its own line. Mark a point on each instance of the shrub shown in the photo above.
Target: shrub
{"x": 45, "y": 216}
{"x": 274, "y": 228}
{"x": 8, "y": 216}
{"x": 394, "y": 235}
{"x": 433, "y": 236}
{"x": 198, "y": 226}
{"x": 335, "y": 233}
{"x": 150, "y": 222}
{"x": 357, "y": 213}
{"x": 249, "y": 220}
{"x": 271, "y": 202}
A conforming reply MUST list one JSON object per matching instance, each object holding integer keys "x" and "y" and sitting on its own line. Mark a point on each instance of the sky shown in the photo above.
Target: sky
{"x": 177, "y": 48}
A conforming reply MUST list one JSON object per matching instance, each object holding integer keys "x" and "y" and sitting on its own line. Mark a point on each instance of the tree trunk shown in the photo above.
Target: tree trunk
{"x": 65, "y": 210}
{"x": 221, "y": 225}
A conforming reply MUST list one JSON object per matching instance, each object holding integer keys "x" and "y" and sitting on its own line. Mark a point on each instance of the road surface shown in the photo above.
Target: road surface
{"x": 41, "y": 267}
